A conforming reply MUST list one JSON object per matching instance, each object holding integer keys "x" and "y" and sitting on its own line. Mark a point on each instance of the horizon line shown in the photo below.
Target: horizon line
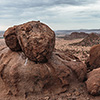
{"x": 73, "y": 29}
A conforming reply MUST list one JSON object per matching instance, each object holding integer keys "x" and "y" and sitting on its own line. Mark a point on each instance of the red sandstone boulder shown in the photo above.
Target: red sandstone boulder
{"x": 76, "y": 35}
{"x": 90, "y": 40}
{"x": 93, "y": 82}
{"x": 35, "y": 41}
{"x": 23, "y": 77}
{"x": 11, "y": 39}
{"x": 34, "y": 38}
{"x": 94, "y": 58}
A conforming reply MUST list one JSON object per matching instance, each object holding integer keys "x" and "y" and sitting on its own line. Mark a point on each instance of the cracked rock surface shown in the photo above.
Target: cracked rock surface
{"x": 93, "y": 82}
{"x": 34, "y": 38}
{"x": 22, "y": 76}
{"x": 31, "y": 67}
{"x": 93, "y": 77}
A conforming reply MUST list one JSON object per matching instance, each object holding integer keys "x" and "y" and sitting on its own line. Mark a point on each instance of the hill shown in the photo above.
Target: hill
{"x": 75, "y": 35}
{"x": 90, "y": 40}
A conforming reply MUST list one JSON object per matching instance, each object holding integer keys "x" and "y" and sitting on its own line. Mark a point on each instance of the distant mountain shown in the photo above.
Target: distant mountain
{"x": 75, "y": 35}
{"x": 63, "y": 32}
{"x": 90, "y": 40}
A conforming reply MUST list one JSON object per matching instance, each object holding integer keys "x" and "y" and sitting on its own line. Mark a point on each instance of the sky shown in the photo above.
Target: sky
{"x": 57, "y": 14}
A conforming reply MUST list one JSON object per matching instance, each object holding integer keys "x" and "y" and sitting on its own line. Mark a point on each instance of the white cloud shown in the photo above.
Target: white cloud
{"x": 59, "y": 14}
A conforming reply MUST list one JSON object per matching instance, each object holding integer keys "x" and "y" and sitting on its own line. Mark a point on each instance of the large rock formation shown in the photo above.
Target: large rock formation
{"x": 93, "y": 77}
{"x": 22, "y": 76}
{"x": 34, "y": 38}
{"x": 93, "y": 82}
{"x": 76, "y": 35}
{"x": 90, "y": 40}
{"x": 34, "y": 42}
{"x": 94, "y": 57}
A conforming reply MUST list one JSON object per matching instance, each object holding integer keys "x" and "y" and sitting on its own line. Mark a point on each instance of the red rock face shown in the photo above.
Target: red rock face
{"x": 94, "y": 57}
{"x": 76, "y": 35}
{"x": 20, "y": 71}
{"x": 93, "y": 77}
{"x": 34, "y": 38}
{"x": 22, "y": 76}
{"x": 11, "y": 39}
{"x": 93, "y": 82}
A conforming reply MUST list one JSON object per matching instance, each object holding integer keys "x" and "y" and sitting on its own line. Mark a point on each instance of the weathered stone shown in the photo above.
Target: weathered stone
{"x": 94, "y": 57}
{"x": 90, "y": 40}
{"x": 35, "y": 39}
{"x": 73, "y": 63}
{"x": 75, "y": 35}
{"x": 22, "y": 76}
{"x": 93, "y": 82}
{"x": 11, "y": 39}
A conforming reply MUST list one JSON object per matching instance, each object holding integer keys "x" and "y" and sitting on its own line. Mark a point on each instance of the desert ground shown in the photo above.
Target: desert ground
{"x": 77, "y": 90}
{"x": 82, "y": 52}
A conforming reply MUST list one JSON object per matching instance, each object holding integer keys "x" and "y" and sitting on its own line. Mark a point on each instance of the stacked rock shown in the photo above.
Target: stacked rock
{"x": 36, "y": 41}
{"x": 34, "y": 38}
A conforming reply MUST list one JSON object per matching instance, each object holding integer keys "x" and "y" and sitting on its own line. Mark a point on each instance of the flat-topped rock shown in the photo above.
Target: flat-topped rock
{"x": 93, "y": 60}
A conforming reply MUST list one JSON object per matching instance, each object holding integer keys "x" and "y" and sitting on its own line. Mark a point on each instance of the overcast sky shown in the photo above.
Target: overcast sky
{"x": 58, "y": 14}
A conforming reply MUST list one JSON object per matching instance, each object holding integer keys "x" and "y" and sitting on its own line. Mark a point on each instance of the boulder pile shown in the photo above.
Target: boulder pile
{"x": 76, "y": 35}
{"x": 30, "y": 65}
{"x": 93, "y": 77}
{"x": 89, "y": 40}
{"x": 34, "y": 38}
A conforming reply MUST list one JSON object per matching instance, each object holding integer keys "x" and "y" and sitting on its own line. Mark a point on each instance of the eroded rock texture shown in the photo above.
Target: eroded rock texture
{"x": 11, "y": 39}
{"x": 22, "y": 76}
{"x": 93, "y": 77}
{"x": 93, "y": 82}
{"x": 20, "y": 71}
{"x": 34, "y": 38}
{"x": 94, "y": 57}
{"x": 90, "y": 40}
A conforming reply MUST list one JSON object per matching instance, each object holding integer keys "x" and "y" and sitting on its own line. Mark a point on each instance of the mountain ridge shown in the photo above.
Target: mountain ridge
{"x": 63, "y": 32}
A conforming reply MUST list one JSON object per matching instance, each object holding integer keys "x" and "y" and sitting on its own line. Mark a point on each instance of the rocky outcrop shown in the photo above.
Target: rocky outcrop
{"x": 90, "y": 40}
{"x": 94, "y": 57}
{"x": 23, "y": 77}
{"x": 34, "y": 38}
{"x": 75, "y": 35}
{"x": 93, "y": 82}
{"x": 22, "y": 72}
{"x": 93, "y": 65}
{"x": 11, "y": 39}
